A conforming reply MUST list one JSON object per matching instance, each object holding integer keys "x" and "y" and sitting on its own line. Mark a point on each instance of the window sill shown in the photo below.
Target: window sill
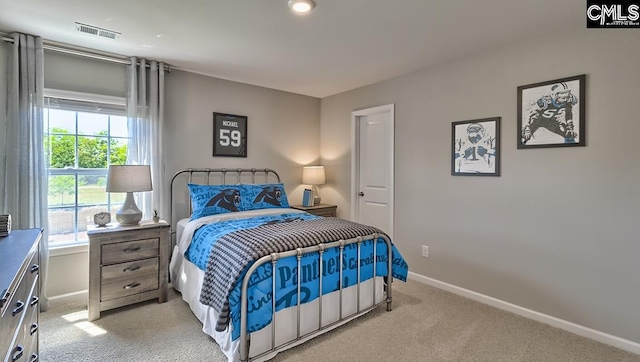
{"x": 69, "y": 249}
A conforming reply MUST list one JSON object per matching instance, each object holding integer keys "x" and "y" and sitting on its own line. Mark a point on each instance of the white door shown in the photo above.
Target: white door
{"x": 372, "y": 167}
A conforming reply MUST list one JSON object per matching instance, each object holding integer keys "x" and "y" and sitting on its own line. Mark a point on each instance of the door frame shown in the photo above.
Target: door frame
{"x": 355, "y": 158}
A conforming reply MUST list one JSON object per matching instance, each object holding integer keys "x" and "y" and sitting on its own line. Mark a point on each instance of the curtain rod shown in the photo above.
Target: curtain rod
{"x": 63, "y": 48}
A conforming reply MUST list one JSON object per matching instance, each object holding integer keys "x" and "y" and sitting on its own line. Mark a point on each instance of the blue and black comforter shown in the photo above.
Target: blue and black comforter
{"x": 225, "y": 250}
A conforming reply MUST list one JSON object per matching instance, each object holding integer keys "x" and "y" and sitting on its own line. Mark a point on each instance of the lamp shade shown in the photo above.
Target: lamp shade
{"x": 313, "y": 175}
{"x": 129, "y": 178}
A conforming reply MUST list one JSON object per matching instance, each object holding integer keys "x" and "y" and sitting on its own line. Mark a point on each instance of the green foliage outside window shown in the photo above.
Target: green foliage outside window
{"x": 93, "y": 153}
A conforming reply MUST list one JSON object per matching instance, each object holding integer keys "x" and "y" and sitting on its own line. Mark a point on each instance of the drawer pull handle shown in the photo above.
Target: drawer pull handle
{"x": 131, "y": 249}
{"x": 34, "y": 357}
{"x": 33, "y": 329}
{"x": 131, "y": 286}
{"x": 131, "y": 268}
{"x": 19, "y": 307}
{"x": 18, "y": 353}
{"x": 35, "y": 268}
{"x": 34, "y": 300}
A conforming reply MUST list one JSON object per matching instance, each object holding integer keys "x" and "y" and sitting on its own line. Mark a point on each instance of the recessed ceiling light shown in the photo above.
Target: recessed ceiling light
{"x": 301, "y": 6}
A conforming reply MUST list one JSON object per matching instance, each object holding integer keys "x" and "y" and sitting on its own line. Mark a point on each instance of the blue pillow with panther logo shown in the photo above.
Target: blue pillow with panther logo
{"x": 214, "y": 199}
{"x": 262, "y": 196}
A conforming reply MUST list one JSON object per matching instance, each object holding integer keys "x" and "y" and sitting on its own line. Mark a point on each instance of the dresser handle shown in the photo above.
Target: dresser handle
{"x": 35, "y": 268}
{"x": 34, "y": 300}
{"x": 18, "y": 353}
{"x": 19, "y": 308}
{"x": 131, "y": 268}
{"x": 131, "y": 286}
{"x": 33, "y": 329}
{"x": 131, "y": 249}
{"x": 34, "y": 357}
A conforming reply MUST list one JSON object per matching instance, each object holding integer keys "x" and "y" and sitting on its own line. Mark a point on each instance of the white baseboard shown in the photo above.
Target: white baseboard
{"x": 70, "y": 297}
{"x": 583, "y": 331}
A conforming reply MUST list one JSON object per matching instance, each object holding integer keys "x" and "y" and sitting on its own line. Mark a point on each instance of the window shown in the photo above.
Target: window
{"x": 83, "y": 134}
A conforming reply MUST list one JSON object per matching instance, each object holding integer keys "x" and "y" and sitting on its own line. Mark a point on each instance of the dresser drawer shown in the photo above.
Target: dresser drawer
{"x": 131, "y": 269}
{"x": 15, "y": 309}
{"x": 129, "y": 286}
{"x": 129, "y": 250}
{"x": 24, "y": 335}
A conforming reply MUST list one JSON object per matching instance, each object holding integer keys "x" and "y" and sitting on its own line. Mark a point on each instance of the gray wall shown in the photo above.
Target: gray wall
{"x": 283, "y": 128}
{"x": 557, "y": 232}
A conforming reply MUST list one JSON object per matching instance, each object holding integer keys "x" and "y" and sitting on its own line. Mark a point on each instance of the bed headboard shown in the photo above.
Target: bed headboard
{"x": 209, "y": 176}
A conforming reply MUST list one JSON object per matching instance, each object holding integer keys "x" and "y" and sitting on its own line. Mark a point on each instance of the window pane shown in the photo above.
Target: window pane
{"x": 119, "y": 126}
{"x": 85, "y": 217}
{"x": 62, "y": 190}
{"x": 61, "y": 151}
{"x": 93, "y": 124}
{"x": 91, "y": 190}
{"x": 117, "y": 199}
{"x": 61, "y": 229}
{"x": 61, "y": 121}
{"x": 118, "y": 151}
{"x": 92, "y": 152}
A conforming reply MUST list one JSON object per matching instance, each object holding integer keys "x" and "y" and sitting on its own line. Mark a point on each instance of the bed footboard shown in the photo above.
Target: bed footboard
{"x": 298, "y": 253}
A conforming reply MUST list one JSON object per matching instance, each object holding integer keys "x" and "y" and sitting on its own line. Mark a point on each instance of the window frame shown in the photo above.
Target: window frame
{"x": 115, "y": 106}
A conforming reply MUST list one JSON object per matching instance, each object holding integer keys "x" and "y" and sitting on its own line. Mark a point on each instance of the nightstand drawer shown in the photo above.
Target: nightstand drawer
{"x": 324, "y": 212}
{"x": 129, "y": 286}
{"x": 130, "y": 250}
{"x": 132, "y": 269}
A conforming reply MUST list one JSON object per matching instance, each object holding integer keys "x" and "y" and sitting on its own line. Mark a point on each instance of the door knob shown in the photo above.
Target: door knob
{"x": 360, "y": 193}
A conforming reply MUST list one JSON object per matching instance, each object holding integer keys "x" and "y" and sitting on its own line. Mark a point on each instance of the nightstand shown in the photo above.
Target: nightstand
{"x": 320, "y": 209}
{"x": 127, "y": 264}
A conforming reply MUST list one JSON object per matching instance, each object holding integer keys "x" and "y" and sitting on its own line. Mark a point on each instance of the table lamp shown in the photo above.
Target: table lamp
{"x": 129, "y": 179}
{"x": 314, "y": 175}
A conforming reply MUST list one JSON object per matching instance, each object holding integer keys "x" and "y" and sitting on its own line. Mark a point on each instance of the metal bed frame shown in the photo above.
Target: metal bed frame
{"x": 245, "y": 337}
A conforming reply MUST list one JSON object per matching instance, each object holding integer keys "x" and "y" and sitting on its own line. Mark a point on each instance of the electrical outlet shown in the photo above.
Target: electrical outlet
{"x": 425, "y": 251}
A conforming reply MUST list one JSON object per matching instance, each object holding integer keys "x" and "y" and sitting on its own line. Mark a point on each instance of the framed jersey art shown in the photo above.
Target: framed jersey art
{"x": 552, "y": 113}
{"x": 229, "y": 135}
{"x": 475, "y": 147}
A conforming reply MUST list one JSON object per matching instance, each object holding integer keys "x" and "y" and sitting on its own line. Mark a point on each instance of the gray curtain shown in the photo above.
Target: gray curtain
{"x": 145, "y": 115}
{"x": 24, "y": 191}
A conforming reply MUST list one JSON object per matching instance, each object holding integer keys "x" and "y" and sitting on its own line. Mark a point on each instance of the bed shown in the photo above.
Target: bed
{"x": 235, "y": 241}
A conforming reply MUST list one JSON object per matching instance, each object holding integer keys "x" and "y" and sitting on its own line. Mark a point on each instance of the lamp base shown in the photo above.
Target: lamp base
{"x": 316, "y": 195}
{"x": 129, "y": 214}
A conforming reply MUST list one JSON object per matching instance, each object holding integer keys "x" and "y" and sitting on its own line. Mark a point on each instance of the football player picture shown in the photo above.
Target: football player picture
{"x": 550, "y": 113}
{"x": 475, "y": 147}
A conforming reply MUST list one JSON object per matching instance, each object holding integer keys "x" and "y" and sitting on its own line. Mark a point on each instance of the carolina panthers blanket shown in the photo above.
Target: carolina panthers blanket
{"x": 232, "y": 252}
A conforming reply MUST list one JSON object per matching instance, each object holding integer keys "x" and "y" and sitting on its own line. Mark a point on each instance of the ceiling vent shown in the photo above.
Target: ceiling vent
{"x": 94, "y": 30}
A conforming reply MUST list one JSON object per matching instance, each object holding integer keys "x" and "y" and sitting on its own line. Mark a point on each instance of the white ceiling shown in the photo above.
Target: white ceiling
{"x": 341, "y": 45}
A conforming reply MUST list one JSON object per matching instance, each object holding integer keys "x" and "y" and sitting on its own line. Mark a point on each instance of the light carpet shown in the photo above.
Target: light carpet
{"x": 426, "y": 324}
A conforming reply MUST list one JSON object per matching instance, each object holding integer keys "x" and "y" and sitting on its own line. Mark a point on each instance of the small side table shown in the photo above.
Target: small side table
{"x": 127, "y": 264}
{"x": 320, "y": 209}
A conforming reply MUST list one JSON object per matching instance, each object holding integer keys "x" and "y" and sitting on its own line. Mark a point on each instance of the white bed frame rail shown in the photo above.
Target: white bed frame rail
{"x": 245, "y": 338}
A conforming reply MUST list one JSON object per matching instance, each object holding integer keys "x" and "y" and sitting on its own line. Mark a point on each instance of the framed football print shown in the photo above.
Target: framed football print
{"x": 552, "y": 113}
{"x": 475, "y": 147}
{"x": 229, "y": 135}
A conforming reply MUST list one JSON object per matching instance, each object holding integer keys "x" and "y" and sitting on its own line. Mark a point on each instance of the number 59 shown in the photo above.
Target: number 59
{"x": 230, "y": 137}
